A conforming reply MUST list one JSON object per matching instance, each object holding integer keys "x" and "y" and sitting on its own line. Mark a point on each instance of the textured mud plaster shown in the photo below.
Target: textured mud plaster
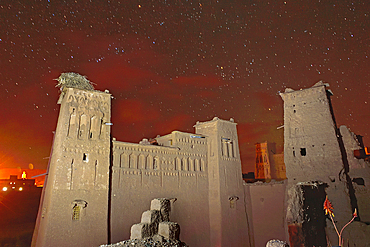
{"x": 267, "y": 210}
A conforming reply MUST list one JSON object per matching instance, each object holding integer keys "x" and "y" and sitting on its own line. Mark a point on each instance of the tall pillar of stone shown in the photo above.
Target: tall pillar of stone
{"x": 228, "y": 219}
{"x": 313, "y": 152}
{"x": 74, "y": 205}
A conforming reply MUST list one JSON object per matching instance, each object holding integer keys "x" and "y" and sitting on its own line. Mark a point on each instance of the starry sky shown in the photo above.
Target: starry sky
{"x": 169, "y": 64}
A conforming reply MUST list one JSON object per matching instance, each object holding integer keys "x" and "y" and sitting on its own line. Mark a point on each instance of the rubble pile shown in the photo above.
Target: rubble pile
{"x": 155, "y": 228}
{"x": 148, "y": 242}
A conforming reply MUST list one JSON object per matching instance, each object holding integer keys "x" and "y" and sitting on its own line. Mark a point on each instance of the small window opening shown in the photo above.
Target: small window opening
{"x": 303, "y": 151}
{"x": 294, "y": 111}
{"x": 78, "y": 206}
{"x": 85, "y": 158}
{"x": 359, "y": 181}
{"x": 91, "y": 135}
{"x": 76, "y": 212}
{"x": 293, "y": 153}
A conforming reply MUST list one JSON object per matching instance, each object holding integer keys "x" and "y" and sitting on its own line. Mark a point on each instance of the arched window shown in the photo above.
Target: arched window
{"x": 142, "y": 162}
{"x": 177, "y": 163}
{"x": 83, "y": 127}
{"x": 124, "y": 162}
{"x": 72, "y": 129}
{"x": 155, "y": 163}
{"x": 94, "y": 127}
{"x": 191, "y": 164}
{"x": 133, "y": 161}
{"x": 149, "y": 163}
{"x": 196, "y": 165}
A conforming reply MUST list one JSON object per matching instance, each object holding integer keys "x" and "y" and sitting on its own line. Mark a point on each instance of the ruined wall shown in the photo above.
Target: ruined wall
{"x": 311, "y": 148}
{"x": 314, "y": 150}
{"x": 142, "y": 172}
{"x": 75, "y": 193}
{"x": 359, "y": 171}
{"x": 267, "y": 210}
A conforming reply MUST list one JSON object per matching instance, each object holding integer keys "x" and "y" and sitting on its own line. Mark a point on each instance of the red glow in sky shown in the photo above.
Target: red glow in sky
{"x": 172, "y": 63}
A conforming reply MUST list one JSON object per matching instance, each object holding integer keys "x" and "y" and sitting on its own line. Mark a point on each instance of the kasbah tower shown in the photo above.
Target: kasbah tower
{"x": 77, "y": 183}
{"x": 319, "y": 159}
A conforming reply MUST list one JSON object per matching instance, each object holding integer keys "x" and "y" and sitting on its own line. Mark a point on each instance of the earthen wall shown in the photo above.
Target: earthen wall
{"x": 267, "y": 211}
{"x": 144, "y": 172}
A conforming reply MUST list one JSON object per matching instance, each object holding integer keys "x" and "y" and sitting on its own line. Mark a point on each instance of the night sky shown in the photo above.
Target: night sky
{"x": 171, "y": 63}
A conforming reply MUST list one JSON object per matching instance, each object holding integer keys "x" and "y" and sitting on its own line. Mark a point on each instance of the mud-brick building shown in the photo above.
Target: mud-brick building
{"x": 97, "y": 188}
{"x": 202, "y": 171}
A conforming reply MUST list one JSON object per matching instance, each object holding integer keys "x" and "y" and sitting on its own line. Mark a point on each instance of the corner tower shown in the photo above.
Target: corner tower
{"x": 228, "y": 222}
{"x": 74, "y": 204}
{"x": 311, "y": 148}
{"x": 316, "y": 163}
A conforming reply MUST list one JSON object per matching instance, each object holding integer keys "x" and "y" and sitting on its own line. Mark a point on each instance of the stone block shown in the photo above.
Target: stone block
{"x": 139, "y": 231}
{"x": 169, "y": 230}
{"x": 163, "y": 205}
{"x": 151, "y": 217}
